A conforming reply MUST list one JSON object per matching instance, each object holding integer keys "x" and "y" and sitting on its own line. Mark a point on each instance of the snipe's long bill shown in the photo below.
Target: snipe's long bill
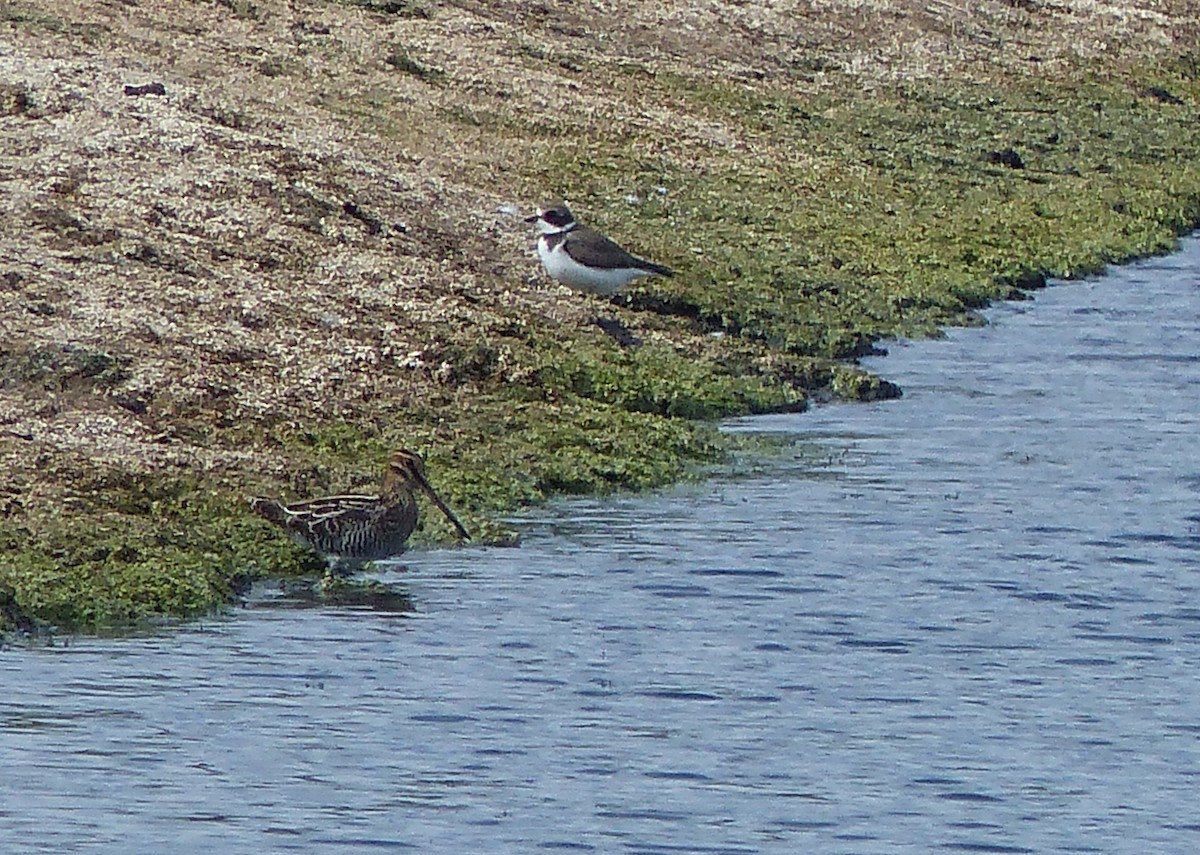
{"x": 353, "y": 530}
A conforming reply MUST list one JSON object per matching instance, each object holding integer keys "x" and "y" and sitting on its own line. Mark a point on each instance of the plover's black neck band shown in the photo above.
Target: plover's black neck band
{"x": 553, "y": 239}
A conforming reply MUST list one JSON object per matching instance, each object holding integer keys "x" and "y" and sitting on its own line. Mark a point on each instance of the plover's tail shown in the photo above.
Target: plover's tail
{"x": 656, "y": 269}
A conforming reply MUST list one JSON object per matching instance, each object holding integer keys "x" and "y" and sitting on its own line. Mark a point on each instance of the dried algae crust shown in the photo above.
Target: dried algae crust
{"x": 304, "y": 253}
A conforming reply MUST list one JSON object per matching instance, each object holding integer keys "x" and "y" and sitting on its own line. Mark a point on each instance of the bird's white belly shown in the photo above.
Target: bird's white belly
{"x": 571, "y": 273}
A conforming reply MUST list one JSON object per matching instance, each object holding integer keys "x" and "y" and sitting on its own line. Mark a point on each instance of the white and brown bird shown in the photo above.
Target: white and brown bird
{"x": 583, "y": 258}
{"x": 352, "y": 530}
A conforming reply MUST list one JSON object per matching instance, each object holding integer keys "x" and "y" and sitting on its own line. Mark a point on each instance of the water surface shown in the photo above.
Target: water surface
{"x": 963, "y": 621}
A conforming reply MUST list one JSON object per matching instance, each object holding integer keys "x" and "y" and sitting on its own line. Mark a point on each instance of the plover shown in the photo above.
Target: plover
{"x": 584, "y": 259}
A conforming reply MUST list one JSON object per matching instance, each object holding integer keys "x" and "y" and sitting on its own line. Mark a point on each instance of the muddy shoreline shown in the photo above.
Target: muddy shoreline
{"x": 253, "y": 247}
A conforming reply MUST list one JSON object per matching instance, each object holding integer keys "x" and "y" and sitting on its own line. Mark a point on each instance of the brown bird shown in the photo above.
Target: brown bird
{"x": 352, "y": 530}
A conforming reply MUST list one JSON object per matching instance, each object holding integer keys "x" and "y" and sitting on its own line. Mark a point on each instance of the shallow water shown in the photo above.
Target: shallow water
{"x": 963, "y": 621}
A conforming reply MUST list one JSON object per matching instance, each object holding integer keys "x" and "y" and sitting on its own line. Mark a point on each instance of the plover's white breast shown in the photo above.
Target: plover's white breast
{"x": 568, "y": 271}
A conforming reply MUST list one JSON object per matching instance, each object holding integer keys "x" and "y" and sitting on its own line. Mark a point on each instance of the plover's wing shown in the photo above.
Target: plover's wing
{"x": 590, "y": 247}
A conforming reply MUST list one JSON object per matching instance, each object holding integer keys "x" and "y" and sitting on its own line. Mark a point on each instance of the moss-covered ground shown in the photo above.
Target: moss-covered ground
{"x": 807, "y": 223}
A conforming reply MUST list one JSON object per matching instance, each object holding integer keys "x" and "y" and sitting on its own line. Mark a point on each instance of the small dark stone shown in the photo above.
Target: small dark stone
{"x": 145, "y": 89}
{"x": 311, "y": 29}
{"x": 1005, "y": 157}
{"x": 1028, "y": 280}
{"x": 400, "y": 8}
{"x": 374, "y": 224}
{"x": 132, "y": 403}
{"x": 144, "y": 253}
{"x": 1162, "y": 96}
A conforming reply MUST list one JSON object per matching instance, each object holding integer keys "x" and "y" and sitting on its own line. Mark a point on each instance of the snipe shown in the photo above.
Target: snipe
{"x": 353, "y": 530}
